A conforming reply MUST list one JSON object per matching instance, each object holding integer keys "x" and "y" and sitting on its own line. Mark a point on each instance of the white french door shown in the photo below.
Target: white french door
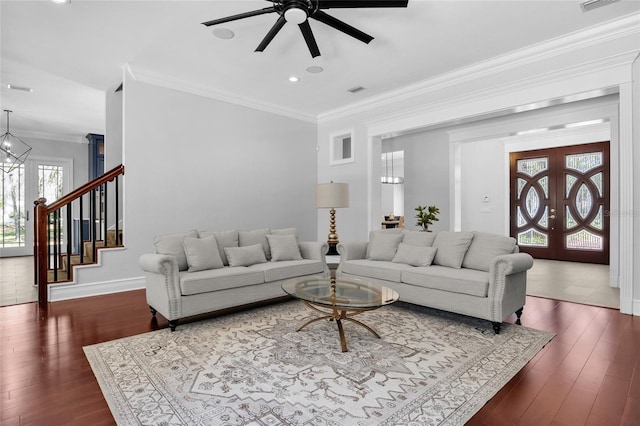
{"x": 37, "y": 177}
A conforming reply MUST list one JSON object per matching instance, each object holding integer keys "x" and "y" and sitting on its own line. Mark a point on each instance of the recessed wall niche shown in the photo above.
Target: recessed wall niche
{"x": 341, "y": 148}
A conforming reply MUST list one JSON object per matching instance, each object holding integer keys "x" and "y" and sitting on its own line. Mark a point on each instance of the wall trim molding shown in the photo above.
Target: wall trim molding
{"x": 66, "y": 291}
{"x": 528, "y": 56}
{"x": 149, "y": 77}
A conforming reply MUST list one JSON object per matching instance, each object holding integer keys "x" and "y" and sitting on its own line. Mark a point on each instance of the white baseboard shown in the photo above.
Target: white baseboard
{"x": 68, "y": 291}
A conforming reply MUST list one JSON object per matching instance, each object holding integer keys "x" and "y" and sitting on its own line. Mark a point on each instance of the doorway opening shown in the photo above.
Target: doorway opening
{"x": 392, "y": 189}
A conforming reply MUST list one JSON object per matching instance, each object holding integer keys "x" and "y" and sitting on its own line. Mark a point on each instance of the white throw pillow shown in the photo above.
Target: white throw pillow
{"x": 484, "y": 247}
{"x": 373, "y": 233}
{"x": 384, "y": 246}
{"x": 202, "y": 254}
{"x": 452, "y": 247}
{"x": 414, "y": 255}
{"x": 419, "y": 238}
{"x": 284, "y": 247}
{"x": 255, "y": 236}
{"x": 246, "y": 255}
{"x": 224, "y": 239}
{"x": 171, "y": 244}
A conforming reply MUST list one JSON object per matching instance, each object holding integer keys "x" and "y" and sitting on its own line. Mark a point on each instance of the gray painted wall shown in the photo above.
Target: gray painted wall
{"x": 197, "y": 163}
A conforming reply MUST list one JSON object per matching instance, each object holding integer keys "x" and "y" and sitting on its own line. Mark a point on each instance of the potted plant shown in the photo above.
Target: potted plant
{"x": 426, "y": 216}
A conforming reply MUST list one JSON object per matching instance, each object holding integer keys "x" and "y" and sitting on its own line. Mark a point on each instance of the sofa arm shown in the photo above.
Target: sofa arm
{"x": 158, "y": 263}
{"x": 313, "y": 250}
{"x": 508, "y": 284}
{"x": 352, "y": 250}
{"x": 162, "y": 282}
{"x": 508, "y": 264}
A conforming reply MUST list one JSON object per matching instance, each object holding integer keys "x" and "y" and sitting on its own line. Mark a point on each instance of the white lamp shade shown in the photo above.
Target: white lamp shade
{"x": 332, "y": 195}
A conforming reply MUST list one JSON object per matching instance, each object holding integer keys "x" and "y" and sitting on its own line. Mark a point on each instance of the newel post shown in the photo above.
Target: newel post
{"x": 40, "y": 250}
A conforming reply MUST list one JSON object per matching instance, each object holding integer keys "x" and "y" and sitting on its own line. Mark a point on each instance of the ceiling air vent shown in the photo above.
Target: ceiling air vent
{"x": 356, "y": 89}
{"x": 592, "y": 4}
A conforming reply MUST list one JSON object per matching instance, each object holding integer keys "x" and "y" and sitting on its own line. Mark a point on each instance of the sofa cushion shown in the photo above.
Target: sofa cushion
{"x": 171, "y": 244}
{"x": 283, "y": 247}
{"x": 414, "y": 255}
{"x": 224, "y": 239}
{"x": 218, "y": 279}
{"x": 484, "y": 247}
{"x": 384, "y": 246}
{"x": 375, "y": 269}
{"x": 418, "y": 238}
{"x": 256, "y": 236}
{"x": 465, "y": 281}
{"x": 274, "y": 271}
{"x": 375, "y": 232}
{"x": 452, "y": 247}
{"x": 202, "y": 253}
{"x": 245, "y": 256}
{"x": 285, "y": 231}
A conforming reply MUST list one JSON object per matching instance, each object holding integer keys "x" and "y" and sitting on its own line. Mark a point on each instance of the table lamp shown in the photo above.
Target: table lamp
{"x": 331, "y": 196}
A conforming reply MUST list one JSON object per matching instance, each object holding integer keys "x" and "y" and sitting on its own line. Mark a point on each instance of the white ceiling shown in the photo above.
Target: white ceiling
{"x": 71, "y": 54}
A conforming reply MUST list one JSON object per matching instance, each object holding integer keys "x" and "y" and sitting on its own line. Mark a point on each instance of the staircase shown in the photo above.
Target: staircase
{"x": 61, "y": 241}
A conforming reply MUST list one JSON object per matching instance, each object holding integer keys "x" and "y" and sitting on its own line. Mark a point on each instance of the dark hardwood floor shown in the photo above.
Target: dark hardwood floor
{"x": 588, "y": 375}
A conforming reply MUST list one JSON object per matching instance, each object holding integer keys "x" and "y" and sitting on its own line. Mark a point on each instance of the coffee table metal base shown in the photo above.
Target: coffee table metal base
{"x": 338, "y": 314}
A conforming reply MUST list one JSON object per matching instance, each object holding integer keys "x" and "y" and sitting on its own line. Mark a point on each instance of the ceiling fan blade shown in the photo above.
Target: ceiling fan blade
{"x": 333, "y": 4}
{"x": 309, "y": 38}
{"x": 240, "y": 16}
{"x": 342, "y": 26}
{"x": 271, "y": 34}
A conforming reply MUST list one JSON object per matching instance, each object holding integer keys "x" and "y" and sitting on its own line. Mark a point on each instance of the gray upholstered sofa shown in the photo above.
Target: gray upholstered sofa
{"x": 198, "y": 272}
{"x": 471, "y": 273}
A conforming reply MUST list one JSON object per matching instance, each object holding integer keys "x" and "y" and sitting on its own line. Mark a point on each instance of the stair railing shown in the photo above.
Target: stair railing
{"x": 54, "y": 229}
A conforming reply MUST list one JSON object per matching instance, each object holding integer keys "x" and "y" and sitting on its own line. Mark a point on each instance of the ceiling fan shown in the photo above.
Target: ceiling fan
{"x": 299, "y": 12}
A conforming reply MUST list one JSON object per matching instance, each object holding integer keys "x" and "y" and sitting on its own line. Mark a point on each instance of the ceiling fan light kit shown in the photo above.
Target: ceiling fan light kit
{"x": 299, "y": 11}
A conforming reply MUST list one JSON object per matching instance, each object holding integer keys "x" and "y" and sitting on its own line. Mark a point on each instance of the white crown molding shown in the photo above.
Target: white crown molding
{"x": 605, "y": 64}
{"x": 593, "y": 36}
{"x": 156, "y": 79}
{"x": 49, "y": 136}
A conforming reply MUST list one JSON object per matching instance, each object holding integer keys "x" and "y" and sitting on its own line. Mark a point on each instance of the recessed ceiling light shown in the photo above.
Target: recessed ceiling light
{"x": 61, "y": 1}
{"x": 356, "y": 89}
{"x": 314, "y": 69}
{"x": 22, "y": 88}
{"x": 294, "y": 79}
{"x": 223, "y": 33}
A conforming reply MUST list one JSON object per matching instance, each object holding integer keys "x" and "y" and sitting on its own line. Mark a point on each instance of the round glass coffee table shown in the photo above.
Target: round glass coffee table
{"x": 340, "y": 299}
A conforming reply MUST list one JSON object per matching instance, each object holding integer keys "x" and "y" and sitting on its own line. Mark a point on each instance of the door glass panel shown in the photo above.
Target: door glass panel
{"x": 569, "y": 181}
{"x": 584, "y": 201}
{"x": 597, "y": 180}
{"x": 570, "y": 221}
{"x": 521, "y": 184}
{"x": 584, "y": 240}
{"x": 12, "y": 208}
{"x": 532, "y": 237}
{"x": 598, "y": 222}
{"x": 532, "y": 202}
{"x": 532, "y": 166}
{"x": 50, "y": 182}
{"x": 584, "y": 162}
{"x": 544, "y": 183}
{"x": 521, "y": 220}
{"x": 544, "y": 220}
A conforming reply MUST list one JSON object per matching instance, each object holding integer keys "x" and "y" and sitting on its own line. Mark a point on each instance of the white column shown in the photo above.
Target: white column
{"x": 626, "y": 208}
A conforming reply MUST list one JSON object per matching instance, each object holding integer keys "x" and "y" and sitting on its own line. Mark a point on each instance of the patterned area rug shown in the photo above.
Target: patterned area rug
{"x": 253, "y": 368}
